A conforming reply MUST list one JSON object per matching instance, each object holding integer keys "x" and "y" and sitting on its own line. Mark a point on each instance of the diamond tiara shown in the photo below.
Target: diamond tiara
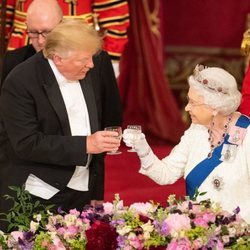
{"x": 205, "y": 82}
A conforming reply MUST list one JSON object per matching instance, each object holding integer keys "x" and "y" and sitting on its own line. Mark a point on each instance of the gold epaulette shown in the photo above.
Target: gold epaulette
{"x": 245, "y": 44}
{"x": 86, "y": 17}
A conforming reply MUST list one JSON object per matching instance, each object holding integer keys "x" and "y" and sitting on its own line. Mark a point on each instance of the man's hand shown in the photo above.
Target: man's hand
{"x": 96, "y": 203}
{"x": 103, "y": 141}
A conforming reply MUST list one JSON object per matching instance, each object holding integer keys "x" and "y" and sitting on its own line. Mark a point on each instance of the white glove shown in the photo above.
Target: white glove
{"x": 141, "y": 146}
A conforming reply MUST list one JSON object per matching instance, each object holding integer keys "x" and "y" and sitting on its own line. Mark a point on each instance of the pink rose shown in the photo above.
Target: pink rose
{"x": 58, "y": 244}
{"x": 72, "y": 230}
{"x": 199, "y": 221}
{"x": 74, "y": 212}
{"x": 197, "y": 243}
{"x": 16, "y": 235}
{"x": 108, "y": 207}
{"x": 177, "y": 222}
{"x": 203, "y": 220}
{"x": 182, "y": 244}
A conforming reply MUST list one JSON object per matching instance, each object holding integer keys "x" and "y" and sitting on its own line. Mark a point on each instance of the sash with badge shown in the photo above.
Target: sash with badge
{"x": 226, "y": 152}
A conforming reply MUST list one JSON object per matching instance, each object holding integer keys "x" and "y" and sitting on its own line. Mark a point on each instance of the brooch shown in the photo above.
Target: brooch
{"x": 236, "y": 135}
{"x": 217, "y": 183}
{"x": 228, "y": 152}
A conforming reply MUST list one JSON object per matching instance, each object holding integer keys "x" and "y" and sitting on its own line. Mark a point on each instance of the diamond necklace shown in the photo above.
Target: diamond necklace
{"x": 211, "y": 140}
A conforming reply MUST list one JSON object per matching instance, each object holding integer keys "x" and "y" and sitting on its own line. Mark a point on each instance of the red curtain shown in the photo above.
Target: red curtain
{"x": 146, "y": 95}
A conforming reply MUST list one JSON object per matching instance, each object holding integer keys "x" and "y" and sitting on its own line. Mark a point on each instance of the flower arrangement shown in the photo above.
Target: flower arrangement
{"x": 186, "y": 224}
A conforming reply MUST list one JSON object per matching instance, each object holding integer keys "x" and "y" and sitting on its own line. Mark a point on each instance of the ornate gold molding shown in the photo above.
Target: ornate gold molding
{"x": 203, "y": 50}
{"x": 153, "y": 16}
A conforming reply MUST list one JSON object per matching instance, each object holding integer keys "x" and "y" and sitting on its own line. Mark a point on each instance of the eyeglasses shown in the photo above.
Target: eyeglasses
{"x": 192, "y": 103}
{"x": 35, "y": 34}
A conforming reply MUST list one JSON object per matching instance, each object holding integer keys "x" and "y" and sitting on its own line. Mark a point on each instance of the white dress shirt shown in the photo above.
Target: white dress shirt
{"x": 79, "y": 125}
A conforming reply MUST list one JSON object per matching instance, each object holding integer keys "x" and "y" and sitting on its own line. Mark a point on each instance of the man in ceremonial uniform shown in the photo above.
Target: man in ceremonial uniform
{"x": 244, "y": 107}
{"x": 110, "y": 17}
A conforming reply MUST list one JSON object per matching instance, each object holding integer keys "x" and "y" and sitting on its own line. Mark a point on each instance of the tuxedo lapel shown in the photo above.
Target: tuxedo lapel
{"x": 53, "y": 92}
{"x": 30, "y": 51}
{"x": 88, "y": 92}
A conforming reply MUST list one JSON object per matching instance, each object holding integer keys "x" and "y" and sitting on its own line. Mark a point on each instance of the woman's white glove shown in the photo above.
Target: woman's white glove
{"x": 141, "y": 146}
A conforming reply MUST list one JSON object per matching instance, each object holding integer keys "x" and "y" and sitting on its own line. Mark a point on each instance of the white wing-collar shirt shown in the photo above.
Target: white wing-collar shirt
{"x": 79, "y": 125}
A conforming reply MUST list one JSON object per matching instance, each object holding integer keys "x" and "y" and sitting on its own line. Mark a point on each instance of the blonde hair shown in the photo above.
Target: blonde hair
{"x": 72, "y": 35}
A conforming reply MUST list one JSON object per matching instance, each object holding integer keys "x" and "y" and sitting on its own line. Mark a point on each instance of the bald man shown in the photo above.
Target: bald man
{"x": 42, "y": 17}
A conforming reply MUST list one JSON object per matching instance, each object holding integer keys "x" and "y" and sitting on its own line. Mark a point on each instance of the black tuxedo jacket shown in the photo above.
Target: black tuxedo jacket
{"x": 14, "y": 57}
{"x": 35, "y": 119}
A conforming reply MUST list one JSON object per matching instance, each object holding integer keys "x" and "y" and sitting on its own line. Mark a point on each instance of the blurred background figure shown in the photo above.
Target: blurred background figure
{"x": 245, "y": 49}
{"x": 41, "y": 18}
{"x": 109, "y": 18}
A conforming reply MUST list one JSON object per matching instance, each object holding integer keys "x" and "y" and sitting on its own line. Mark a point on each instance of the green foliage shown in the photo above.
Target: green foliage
{"x": 196, "y": 232}
{"x": 3, "y": 244}
{"x": 197, "y": 194}
{"x": 42, "y": 241}
{"x": 78, "y": 244}
{"x": 242, "y": 244}
{"x": 23, "y": 211}
{"x": 155, "y": 240}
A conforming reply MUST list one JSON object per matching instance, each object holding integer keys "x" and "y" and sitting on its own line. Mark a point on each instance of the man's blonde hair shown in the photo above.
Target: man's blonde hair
{"x": 72, "y": 35}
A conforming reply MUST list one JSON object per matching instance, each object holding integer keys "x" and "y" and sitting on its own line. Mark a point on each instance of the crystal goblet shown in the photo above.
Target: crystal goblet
{"x": 117, "y": 129}
{"x": 135, "y": 130}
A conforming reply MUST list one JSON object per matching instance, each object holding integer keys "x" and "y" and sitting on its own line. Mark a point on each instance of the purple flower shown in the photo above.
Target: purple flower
{"x": 161, "y": 228}
{"x": 165, "y": 228}
{"x": 190, "y": 205}
{"x": 59, "y": 210}
{"x": 99, "y": 208}
{"x": 236, "y": 210}
{"x": 121, "y": 241}
{"x": 180, "y": 226}
{"x": 26, "y": 241}
{"x": 215, "y": 243}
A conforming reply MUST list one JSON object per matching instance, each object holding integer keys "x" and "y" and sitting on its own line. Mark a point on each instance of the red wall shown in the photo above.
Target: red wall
{"x": 212, "y": 23}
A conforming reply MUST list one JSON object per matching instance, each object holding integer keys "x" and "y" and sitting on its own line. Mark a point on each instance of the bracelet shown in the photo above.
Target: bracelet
{"x": 146, "y": 154}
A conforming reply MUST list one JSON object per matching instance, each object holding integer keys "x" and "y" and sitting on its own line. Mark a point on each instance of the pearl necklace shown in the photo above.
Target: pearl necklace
{"x": 211, "y": 140}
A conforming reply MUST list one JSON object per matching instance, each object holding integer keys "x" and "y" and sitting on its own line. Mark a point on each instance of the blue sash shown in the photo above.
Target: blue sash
{"x": 200, "y": 172}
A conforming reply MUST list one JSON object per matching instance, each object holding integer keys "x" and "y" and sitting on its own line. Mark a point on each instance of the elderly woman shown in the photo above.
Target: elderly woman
{"x": 214, "y": 153}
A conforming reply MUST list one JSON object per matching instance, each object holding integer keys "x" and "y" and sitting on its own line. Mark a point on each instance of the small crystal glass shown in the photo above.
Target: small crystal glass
{"x": 117, "y": 129}
{"x": 135, "y": 130}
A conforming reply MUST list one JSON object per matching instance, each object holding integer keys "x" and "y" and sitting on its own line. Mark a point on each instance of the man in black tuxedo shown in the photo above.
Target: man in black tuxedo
{"x": 54, "y": 107}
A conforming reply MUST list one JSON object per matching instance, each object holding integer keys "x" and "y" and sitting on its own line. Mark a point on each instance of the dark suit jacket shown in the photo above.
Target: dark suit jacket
{"x": 10, "y": 61}
{"x": 14, "y": 57}
{"x": 37, "y": 125}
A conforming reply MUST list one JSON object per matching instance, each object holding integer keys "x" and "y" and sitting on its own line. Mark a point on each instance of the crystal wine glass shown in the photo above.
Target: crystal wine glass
{"x": 135, "y": 130}
{"x": 117, "y": 129}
